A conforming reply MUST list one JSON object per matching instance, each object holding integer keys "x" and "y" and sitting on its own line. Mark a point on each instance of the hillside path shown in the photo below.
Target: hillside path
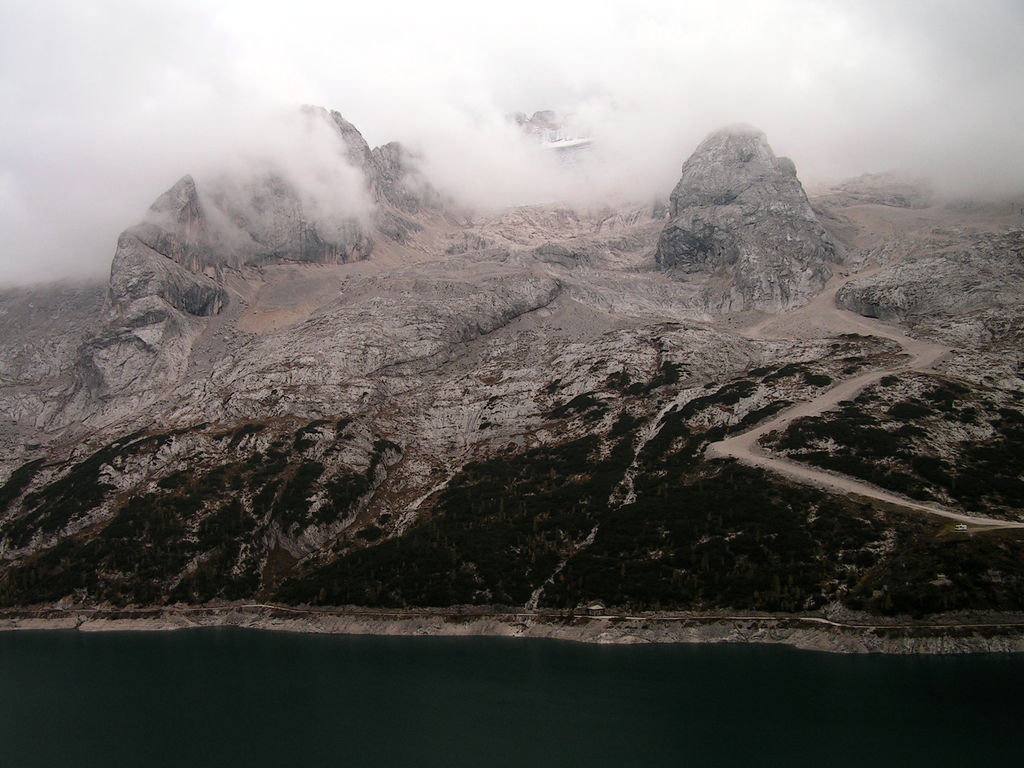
{"x": 823, "y": 317}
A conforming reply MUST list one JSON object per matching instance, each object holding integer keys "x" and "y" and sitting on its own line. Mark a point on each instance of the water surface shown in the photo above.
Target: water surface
{"x": 249, "y": 698}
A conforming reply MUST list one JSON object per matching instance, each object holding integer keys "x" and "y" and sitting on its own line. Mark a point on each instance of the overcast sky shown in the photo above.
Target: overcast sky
{"x": 105, "y": 103}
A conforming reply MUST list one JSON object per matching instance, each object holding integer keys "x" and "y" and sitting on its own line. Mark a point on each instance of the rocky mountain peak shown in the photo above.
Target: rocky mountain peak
{"x": 724, "y": 166}
{"x": 265, "y": 219}
{"x": 740, "y": 208}
{"x": 179, "y": 201}
{"x": 175, "y": 226}
{"x": 357, "y": 150}
{"x": 399, "y": 182}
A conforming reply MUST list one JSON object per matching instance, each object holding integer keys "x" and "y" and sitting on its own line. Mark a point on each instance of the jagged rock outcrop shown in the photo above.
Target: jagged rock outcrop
{"x": 176, "y": 228}
{"x": 399, "y": 182}
{"x": 153, "y": 311}
{"x": 132, "y": 363}
{"x": 140, "y": 272}
{"x": 268, "y": 218}
{"x": 280, "y": 216}
{"x": 169, "y": 269}
{"x": 401, "y": 191}
{"x": 357, "y": 151}
{"x": 740, "y": 209}
{"x": 156, "y": 285}
{"x": 969, "y": 291}
{"x": 270, "y": 223}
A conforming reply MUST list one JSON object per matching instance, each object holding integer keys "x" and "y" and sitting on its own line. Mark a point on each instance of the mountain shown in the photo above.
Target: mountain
{"x": 389, "y": 401}
{"x": 741, "y": 211}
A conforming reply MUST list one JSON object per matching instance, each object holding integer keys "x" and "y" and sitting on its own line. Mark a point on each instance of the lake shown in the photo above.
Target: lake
{"x": 248, "y": 698}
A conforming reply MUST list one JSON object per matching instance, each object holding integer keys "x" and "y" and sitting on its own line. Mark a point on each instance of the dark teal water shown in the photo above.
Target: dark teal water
{"x": 239, "y": 698}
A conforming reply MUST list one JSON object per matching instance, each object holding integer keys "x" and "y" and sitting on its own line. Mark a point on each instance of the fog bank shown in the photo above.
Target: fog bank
{"x": 104, "y": 106}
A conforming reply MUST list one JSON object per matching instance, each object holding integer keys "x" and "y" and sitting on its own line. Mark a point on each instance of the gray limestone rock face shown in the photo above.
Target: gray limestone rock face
{"x": 42, "y": 330}
{"x": 968, "y": 292}
{"x": 154, "y": 310}
{"x": 159, "y": 284}
{"x": 176, "y": 227}
{"x": 553, "y": 253}
{"x": 356, "y": 149}
{"x": 140, "y": 270}
{"x": 399, "y": 182}
{"x": 169, "y": 270}
{"x": 740, "y": 209}
{"x": 268, "y": 223}
{"x": 269, "y": 218}
{"x": 134, "y": 361}
{"x": 401, "y": 192}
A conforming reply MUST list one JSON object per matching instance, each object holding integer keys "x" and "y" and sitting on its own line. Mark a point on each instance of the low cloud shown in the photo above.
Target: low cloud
{"x": 105, "y": 105}
{"x": 298, "y": 152}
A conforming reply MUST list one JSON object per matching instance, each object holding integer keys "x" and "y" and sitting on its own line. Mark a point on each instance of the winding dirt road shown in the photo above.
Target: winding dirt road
{"x": 823, "y": 317}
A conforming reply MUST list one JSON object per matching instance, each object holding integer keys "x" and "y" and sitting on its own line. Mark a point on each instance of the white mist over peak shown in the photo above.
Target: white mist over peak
{"x": 106, "y": 105}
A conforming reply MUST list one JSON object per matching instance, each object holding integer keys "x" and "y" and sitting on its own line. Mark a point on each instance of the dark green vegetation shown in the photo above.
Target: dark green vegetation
{"x": 198, "y": 533}
{"x": 926, "y": 574}
{"x": 495, "y": 533}
{"x": 17, "y": 482}
{"x": 733, "y": 538}
{"x": 697, "y": 536}
{"x": 619, "y": 509}
{"x": 585, "y": 405}
{"x": 73, "y": 493}
{"x": 930, "y": 438}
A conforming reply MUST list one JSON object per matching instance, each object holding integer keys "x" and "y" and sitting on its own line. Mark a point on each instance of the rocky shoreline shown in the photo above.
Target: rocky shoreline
{"x": 958, "y": 634}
